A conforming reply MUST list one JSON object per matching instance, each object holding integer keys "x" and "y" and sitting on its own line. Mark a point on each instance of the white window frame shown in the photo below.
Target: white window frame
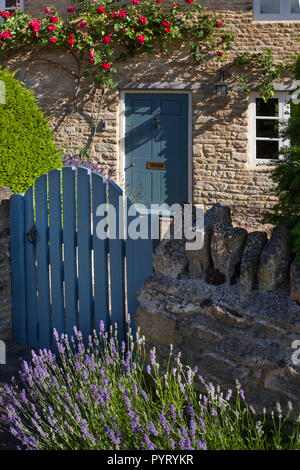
{"x": 285, "y": 15}
{"x": 3, "y": 7}
{"x": 284, "y": 113}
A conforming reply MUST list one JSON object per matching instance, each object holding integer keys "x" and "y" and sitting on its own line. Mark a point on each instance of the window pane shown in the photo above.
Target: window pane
{"x": 295, "y": 6}
{"x": 267, "y": 150}
{"x": 269, "y": 6}
{"x": 267, "y": 109}
{"x": 267, "y": 128}
{"x": 10, "y": 3}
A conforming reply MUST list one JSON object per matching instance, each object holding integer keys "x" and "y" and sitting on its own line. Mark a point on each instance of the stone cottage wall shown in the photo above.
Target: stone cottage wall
{"x": 5, "y": 270}
{"x": 221, "y": 164}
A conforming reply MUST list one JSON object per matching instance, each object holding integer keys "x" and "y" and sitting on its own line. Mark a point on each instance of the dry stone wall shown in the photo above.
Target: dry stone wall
{"x": 232, "y": 308}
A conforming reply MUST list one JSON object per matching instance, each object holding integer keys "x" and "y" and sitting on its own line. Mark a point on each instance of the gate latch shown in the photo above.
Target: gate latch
{"x": 31, "y": 236}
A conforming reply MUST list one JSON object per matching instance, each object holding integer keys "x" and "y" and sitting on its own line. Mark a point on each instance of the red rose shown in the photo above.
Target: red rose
{"x": 71, "y": 36}
{"x": 34, "y": 26}
{"x": 6, "y": 35}
{"x": 114, "y": 14}
{"x": 166, "y": 24}
{"x": 220, "y": 53}
{"x": 70, "y": 9}
{"x": 54, "y": 19}
{"x": 51, "y": 27}
{"x": 141, "y": 39}
{"x": 135, "y": 2}
{"x": 189, "y": 1}
{"x": 106, "y": 39}
{"x": 142, "y": 20}
{"x": 92, "y": 61}
{"x": 92, "y": 53}
{"x": 158, "y": 1}
{"x": 101, "y": 10}
{"x": 168, "y": 30}
{"x": 122, "y": 14}
{"x": 47, "y": 10}
{"x": 12, "y": 14}
{"x": 71, "y": 42}
{"x": 106, "y": 65}
{"x": 5, "y": 14}
{"x": 53, "y": 40}
{"x": 219, "y": 25}
{"x": 82, "y": 24}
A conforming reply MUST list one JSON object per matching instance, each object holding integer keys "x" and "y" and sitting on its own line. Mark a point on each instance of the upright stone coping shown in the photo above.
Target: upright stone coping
{"x": 232, "y": 255}
{"x": 256, "y": 241}
{"x": 5, "y": 270}
{"x": 200, "y": 260}
{"x": 227, "y": 245}
{"x": 275, "y": 260}
{"x": 169, "y": 258}
{"x": 226, "y": 336}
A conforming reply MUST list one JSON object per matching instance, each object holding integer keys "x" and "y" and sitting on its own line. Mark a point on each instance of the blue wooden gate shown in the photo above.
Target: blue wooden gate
{"x": 63, "y": 274}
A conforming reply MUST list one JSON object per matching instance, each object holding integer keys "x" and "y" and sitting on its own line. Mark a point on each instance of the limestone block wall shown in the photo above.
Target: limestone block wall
{"x": 221, "y": 169}
{"x": 5, "y": 270}
{"x": 36, "y": 7}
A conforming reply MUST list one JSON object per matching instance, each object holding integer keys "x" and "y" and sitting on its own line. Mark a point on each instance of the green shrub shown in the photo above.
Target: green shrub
{"x": 27, "y": 150}
{"x": 286, "y": 176}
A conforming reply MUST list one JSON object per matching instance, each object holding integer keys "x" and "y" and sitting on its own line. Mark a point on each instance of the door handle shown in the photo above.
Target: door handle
{"x": 132, "y": 165}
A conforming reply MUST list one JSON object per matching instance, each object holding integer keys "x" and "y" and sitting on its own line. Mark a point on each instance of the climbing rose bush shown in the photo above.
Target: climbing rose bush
{"x": 101, "y": 33}
{"x": 110, "y": 396}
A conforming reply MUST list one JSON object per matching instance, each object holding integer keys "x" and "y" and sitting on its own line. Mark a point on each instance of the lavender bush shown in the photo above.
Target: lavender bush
{"x": 108, "y": 396}
{"x": 78, "y": 160}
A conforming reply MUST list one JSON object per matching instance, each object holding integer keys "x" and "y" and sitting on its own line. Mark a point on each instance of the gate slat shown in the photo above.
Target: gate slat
{"x": 55, "y": 248}
{"x": 84, "y": 250}
{"x": 138, "y": 265}
{"x": 18, "y": 268}
{"x": 42, "y": 256}
{"x": 116, "y": 250}
{"x": 31, "y": 281}
{"x": 100, "y": 247}
{"x": 69, "y": 240}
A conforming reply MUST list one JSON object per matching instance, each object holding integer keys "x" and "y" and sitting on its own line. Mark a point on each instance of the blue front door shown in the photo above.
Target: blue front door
{"x": 156, "y": 148}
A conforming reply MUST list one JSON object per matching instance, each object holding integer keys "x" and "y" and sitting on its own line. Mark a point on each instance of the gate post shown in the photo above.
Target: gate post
{"x": 17, "y": 248}
{"x": 5, "y": 268}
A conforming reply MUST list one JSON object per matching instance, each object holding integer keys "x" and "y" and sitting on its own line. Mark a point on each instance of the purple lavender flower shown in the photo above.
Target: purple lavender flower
{"x": 152, "y": 429}
{"x": 172, "y": 411}
{"x": 202, "y": 425}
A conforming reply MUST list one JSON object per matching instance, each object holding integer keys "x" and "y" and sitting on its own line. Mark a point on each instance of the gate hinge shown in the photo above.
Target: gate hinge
{"x": 31, "y": 236}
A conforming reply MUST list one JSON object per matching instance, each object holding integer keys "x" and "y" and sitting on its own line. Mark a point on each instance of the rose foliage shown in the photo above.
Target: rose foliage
{"x": 102, "y": 33}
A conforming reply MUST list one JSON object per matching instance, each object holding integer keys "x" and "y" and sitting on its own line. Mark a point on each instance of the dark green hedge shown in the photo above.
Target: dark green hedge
{"x": 27, "y": 150}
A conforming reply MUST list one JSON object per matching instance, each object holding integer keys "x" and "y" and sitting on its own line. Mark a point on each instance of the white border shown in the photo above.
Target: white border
{"x": 283, "y": 99}
{"x": 121, "y": 170}
{"x": 285, "y": 15}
